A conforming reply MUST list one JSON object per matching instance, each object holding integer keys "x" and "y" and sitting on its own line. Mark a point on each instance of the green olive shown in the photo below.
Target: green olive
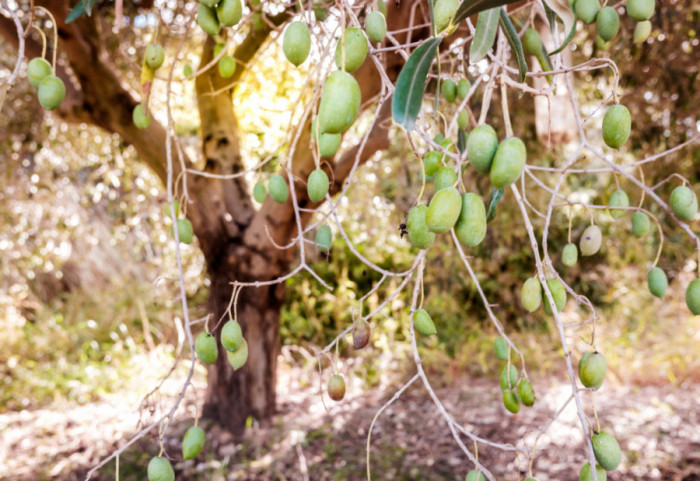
{"x": 340, "y": 103}
{"x": 608, "y": 23}
{"x": 617, "y": 125}
{"x": 324, "y": 238}
{"x": 657, "y": 282}
{"x": 206, "y": 348}
{"x": 508, "y": 163}
{"x": 277, "y": 187}
{"x": 449, "y": 90}
{"x": 154, "y": 55}
{"x": 193, "y": 442}
{"x": 471, "y": 225}
{"x": 443, "y": 211}
{"x": 640, "y": 10}
{"x": 418, "y": 232}
{"x": 51, "y": 92}
{"x": 296, "y": 43}
{"x": 531, "y": 294}
{"x": 424, "y": 323}
{"x": 586, "y": 10}
{"x": 375, "y": 26}
{"x": 317, "y": 185}
{"x": 160, "y": 469}
{"x": 481, "y": 147}
{"x": 684, "y": 203}
{"x": 229, "y": 12}
{"x": 607, "y": 450}
{"x": 38, "y": 69}
{"x": 140, "y": 118}
{"x": 558, "y": 294}
{"x": 356, "y": 48}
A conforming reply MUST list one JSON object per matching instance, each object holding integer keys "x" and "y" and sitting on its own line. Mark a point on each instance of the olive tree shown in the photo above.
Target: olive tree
{"x": 435, "y": 76}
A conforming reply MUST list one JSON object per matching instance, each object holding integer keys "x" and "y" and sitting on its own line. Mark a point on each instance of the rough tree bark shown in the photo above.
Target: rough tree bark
{"x": 235, "y": 239}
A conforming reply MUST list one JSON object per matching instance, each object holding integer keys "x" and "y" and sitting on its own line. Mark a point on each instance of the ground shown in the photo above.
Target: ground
{"x": 658, "y": 427}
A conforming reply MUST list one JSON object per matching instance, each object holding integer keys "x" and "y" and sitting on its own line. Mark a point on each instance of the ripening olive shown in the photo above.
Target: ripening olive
{"x": 336, "y": 387}
{"x": 591, "y": 240}
{"x": 531, "y": 294}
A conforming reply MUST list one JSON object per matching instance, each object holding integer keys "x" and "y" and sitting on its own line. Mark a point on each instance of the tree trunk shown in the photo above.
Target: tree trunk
{"x": 233, "y": 396}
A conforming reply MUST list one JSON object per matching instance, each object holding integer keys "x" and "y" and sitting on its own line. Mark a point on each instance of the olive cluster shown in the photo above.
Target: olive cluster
{"x": 50, "y": 89}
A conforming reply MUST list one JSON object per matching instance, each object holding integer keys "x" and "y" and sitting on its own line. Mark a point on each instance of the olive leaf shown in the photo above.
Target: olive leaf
{"x": 485, "y": 34}
{"x": 515, "y": 44}
{"x": 81, "y": 8}
{"x": 563, "y": 11}
{"x": 410, "y": 85}
{"x": 496, "y": 195}
{"x": 567, "y": 39}
{"x": 470, "y": 7}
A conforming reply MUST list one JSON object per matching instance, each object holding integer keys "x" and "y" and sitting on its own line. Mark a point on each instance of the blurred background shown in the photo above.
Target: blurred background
{"x": 90, "y": 318}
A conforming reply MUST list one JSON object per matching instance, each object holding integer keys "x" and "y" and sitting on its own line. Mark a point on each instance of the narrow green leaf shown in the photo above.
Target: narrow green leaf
{"x": 410, "y": 86}
{"x": 81, "y": 8}
{"x": 485, "y": 34}
{"x": 77, "y": 12}
{"x": 496, "y": 195}
{"x": 88, "y": 6}
{"x": 563, "y": 10}
{"x": 567, "y": 39}
{"x": 470, "y": 7}
{"x": 515, "y": 44}
{"x": 462, "y": 141}
{"x": 551, "y": 16}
